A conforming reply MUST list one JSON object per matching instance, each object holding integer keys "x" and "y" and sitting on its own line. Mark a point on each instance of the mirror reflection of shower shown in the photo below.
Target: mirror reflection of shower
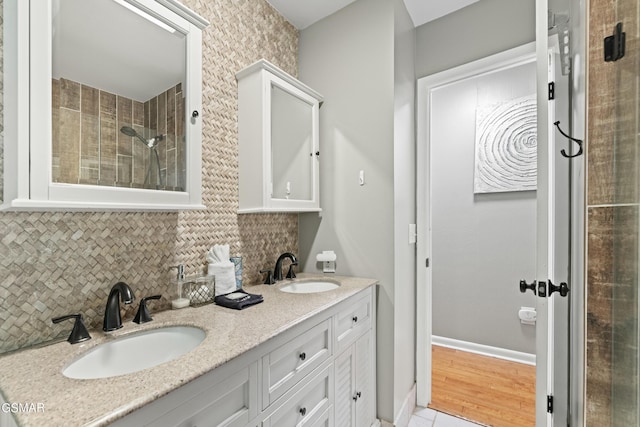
{"x": 150, "y": 143}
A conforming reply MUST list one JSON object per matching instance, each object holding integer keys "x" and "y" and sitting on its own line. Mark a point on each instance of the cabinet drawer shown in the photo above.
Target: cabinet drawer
{"x": 309, "y": 406}
{"x": 352, "y": 321}
{"x": 289, "y": 363}
{"x": 325, "y": 419}
{"x": 228, "y": 404}
{"x": 231, "y": 402}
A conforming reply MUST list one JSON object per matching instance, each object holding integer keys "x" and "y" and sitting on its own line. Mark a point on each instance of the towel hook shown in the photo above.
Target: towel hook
{"x": 577, "y": 141}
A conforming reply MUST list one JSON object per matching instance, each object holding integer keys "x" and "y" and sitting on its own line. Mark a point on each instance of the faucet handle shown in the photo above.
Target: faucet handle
{"x": 143, "y": 316}
{"x": 291, "y": 274}
{"x": 79, "y": 332}
{"x": 269, "y": 280}
{"x": 180, "y": 268}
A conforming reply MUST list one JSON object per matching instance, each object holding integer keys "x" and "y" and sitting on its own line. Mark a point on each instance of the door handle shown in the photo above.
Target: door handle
{"x": 562, "y": 289}
{"x": 544, "y": 289}
{"x": 524, "y": 286}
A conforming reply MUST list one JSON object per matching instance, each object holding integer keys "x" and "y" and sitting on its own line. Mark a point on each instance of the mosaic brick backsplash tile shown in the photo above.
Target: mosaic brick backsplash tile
{"x": 59, "y": 263}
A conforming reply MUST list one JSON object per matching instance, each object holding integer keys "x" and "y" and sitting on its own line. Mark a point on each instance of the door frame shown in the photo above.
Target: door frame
{"x": 424, "y": 249}
{"x": 510, "y": 58}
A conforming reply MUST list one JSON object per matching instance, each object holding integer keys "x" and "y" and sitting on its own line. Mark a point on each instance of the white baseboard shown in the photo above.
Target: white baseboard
{"x": 407, "y": 409}
{"x": 485, "y": 350}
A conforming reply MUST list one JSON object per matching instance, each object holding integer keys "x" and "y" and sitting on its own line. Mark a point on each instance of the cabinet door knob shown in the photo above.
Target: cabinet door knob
{"x": 355, "y": 319}
{"x": 303, "y": 411}
{"x": 357, "y": 396}
{"x": 303, "y": 355}
{"x": 195, "y": 114}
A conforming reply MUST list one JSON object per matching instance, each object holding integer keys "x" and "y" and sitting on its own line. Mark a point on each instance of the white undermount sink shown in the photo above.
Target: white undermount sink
{"x": 135, "y": 352}
{"x": 309, "y": 287}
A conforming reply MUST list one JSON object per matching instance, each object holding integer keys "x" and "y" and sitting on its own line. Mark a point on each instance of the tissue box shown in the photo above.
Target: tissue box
{"x": 200, "y": 290}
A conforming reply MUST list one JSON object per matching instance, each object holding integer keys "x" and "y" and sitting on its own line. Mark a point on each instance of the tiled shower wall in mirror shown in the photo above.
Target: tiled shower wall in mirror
{"x": 90, "y": 148}
{"x": 59, "y": 263}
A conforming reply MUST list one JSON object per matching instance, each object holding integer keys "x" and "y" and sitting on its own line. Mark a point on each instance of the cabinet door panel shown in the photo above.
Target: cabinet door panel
{"x": 364, "y": 384}
{"x": 345, "y": 388}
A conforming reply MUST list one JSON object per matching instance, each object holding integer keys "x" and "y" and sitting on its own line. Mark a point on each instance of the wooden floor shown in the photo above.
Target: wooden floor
{"x": 491, "y": 391}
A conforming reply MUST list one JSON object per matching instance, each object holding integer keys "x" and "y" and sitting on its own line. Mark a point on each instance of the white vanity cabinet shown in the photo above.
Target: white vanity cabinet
{"x": 296, "y": 378}
{"x": 278, "y": 136}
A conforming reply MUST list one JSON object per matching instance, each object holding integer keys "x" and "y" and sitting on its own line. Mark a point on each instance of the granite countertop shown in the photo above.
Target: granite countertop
{"x": 33, "y": 376}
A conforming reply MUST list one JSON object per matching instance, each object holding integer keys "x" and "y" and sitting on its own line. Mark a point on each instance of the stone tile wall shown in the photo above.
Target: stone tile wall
{"x": 58, "y": 263}
{"x": 613, "y": 215}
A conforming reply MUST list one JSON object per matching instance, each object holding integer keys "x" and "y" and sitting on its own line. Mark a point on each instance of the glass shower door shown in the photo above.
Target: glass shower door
{"x": 626, "y": 184}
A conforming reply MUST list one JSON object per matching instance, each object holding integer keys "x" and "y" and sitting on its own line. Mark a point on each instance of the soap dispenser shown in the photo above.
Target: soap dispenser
{"x": 179, "y": 301}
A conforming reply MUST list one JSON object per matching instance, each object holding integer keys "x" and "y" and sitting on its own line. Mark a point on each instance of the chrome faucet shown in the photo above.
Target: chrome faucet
{"x": 112, "y": 320}
{"x": 277, "y": 273}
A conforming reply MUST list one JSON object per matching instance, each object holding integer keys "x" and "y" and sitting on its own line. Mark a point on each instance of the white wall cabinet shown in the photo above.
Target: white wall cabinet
{"x": 294, "y": 379}
{"x": 278, "y": 134}
{"x": 78, "y": 133}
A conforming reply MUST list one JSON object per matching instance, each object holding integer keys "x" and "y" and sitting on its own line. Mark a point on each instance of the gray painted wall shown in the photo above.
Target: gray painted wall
{"x": 483, "y": 244}
{"x": 350, "y": 61}
{"x": 404, "y": 205}
{"x": 460, "y": 304}
{"x": 481, "y": 29}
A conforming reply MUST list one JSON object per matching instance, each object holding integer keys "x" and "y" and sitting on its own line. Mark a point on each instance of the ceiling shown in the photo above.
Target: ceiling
{"x": 138, "y": 58}
{"x": 304, "y": 13}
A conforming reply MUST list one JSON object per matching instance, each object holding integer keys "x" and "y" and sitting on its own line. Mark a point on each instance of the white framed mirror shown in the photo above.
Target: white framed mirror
{"x": 292, "y": 145}
{"x": 114, "y": 90}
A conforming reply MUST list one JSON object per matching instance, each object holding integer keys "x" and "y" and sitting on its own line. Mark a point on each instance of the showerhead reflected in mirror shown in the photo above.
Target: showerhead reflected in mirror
{"x": 151, "y": 142}
{"x": 116, "y": 86}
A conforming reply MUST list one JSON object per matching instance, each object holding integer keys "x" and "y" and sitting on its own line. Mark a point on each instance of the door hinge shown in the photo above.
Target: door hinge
{"x": 550, "y": 404}
{"x": 552, "y": 91}
{"x": 427, "y": 263}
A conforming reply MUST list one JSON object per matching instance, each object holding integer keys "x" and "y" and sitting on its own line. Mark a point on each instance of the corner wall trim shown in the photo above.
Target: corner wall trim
{"x": 407, "y": 409}
{"x": 485, "y": 350}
